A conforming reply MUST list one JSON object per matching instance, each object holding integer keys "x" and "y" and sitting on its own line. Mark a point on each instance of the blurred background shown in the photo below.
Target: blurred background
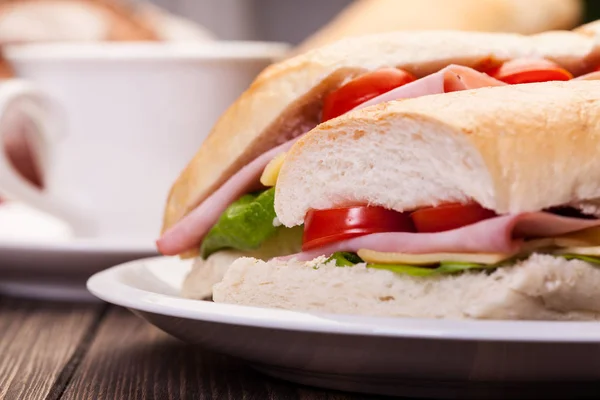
{"x": 300, "y": 24}
{"x": 280, "y": 20}
{"x": 291, "y": 21}
{"x": 141, "y": 83}
{"x": 84, "y": 80}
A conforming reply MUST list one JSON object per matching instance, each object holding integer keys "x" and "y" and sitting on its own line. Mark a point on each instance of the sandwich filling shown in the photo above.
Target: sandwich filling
{"x": 240, "y": 215}
{"x": 443, "y": 239}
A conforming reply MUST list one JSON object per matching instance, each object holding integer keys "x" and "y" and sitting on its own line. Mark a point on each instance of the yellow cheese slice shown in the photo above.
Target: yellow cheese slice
{"x": 375, "y": 257}
{"x": 271, "y": 172}
{"x": 584, "y": 251}
{"x": 584, "y": 242}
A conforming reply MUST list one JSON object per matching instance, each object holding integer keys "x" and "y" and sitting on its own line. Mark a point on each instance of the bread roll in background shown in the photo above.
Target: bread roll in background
{"x": 374, "y": 16}
{"x": 26, "y": 21}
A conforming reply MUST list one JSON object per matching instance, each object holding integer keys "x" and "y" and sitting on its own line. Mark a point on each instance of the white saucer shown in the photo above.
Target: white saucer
{"x": 39, "y": 257}
{"x": 391, "y": 356}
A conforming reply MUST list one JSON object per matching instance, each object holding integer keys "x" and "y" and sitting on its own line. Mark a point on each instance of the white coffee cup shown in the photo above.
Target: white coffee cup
{"x": 130, "y": 117}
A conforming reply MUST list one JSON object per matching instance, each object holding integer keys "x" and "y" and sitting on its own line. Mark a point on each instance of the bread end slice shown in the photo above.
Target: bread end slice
{"x": 542, "y": 287}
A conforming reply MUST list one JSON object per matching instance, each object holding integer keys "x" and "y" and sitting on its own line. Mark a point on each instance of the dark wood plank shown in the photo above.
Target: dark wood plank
{"x": 130, "y": 359}
{"x": 38, "y": 341}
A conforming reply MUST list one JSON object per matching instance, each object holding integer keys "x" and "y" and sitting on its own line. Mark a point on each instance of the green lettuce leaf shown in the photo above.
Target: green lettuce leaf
{"x": 445, "y": 268}
{"x": 244, "y": 225}
{"x": 590, "y": 259}
{"x": 345, "y": 259}
{"x": 451, "y": 267}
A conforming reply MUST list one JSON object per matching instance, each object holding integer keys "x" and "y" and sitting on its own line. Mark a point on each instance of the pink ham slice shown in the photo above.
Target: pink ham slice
{"x": 189, "y": 232}
{"x": 452, "y": 78}
{"x": 501, "y": 234}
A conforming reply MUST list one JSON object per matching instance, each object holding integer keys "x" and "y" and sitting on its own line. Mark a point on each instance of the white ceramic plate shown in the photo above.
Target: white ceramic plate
{"x": 59, "y": 270}
{"x": 393, "y": 356}
{"x": 39, "y": 257}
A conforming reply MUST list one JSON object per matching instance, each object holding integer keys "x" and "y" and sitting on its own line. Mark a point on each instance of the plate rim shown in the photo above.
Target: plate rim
{"x": 106, "y": 286}
{"x": 80, "y": 245}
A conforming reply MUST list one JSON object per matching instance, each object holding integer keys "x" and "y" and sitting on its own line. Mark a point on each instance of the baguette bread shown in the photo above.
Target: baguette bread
{"x": 377, "y": 16}
{"x": 285, "y": 99}
{"x": 205, "y": 273}
{"x": 500, "y": 147}
{"x": 540, "y": 288}
{"x": 512, "y": 149}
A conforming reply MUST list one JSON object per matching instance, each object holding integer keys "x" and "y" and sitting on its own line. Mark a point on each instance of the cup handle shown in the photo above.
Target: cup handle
{"x": 30, "y": 101}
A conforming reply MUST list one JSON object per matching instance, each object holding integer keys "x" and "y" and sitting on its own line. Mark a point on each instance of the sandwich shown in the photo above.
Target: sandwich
{"x": 478, "y": 204}
{"x": 363, "y": 17}
{"x": 221, "y": 206}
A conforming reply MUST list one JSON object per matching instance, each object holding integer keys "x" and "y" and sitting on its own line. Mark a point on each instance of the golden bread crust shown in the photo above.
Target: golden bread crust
{"x": 285, "y": 100}
{"x": 524, "y": 148}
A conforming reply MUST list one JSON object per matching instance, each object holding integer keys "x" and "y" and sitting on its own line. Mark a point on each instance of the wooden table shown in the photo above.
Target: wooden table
{"x": 96, "y": 351}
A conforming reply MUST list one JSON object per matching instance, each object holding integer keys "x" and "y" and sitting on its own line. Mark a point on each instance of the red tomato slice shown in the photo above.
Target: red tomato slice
{"x": 322, "y": 227}
{"x": 449, "y": 216}
{"x": 362, "y": 89}
{"x": 525, "y": 70}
